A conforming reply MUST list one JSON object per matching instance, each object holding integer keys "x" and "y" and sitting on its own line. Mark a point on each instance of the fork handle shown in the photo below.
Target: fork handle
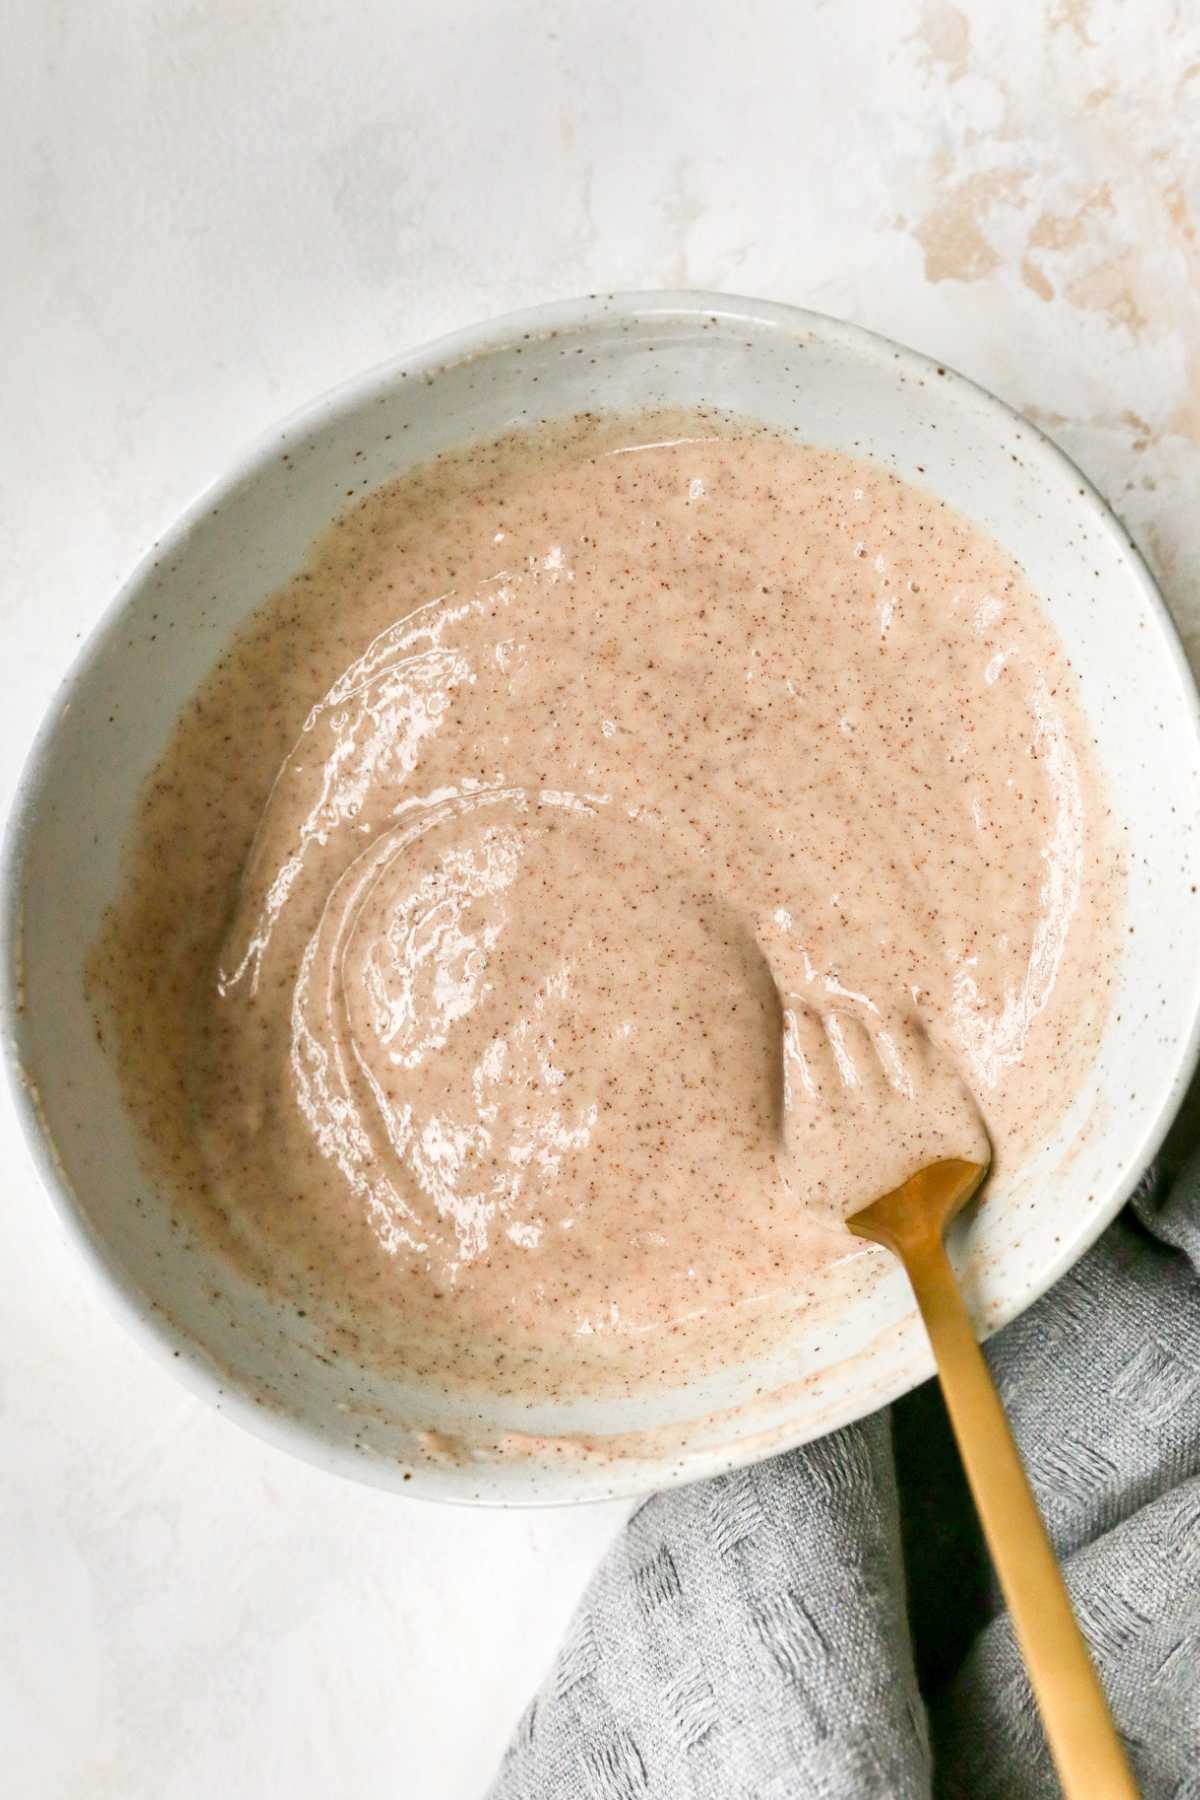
{"x": 1083, "y": 1741}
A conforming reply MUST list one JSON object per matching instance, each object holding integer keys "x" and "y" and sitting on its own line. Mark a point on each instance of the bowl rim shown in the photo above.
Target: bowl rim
{"x": 143, "y": 1317}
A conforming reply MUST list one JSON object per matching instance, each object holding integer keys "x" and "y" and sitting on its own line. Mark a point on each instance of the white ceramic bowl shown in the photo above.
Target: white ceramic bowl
{"x": 827, "y": 383}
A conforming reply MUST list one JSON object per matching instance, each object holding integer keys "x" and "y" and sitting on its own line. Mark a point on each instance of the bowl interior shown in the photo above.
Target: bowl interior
{"x": 828, "y": 384}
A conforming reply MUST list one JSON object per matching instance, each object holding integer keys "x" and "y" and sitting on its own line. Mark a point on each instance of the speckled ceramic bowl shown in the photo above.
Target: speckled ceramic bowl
{"x": 827, "y": 383}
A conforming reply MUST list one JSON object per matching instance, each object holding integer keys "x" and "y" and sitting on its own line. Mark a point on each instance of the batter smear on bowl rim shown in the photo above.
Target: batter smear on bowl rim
{"x": 478, "y": 909}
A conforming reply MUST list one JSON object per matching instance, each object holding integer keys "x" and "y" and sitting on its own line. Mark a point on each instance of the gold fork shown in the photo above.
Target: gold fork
{"x": 879, "y": 1096}
{"x": 911, "y": 1221}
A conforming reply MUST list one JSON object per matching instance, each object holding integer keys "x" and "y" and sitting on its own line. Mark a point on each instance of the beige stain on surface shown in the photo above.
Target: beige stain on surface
{"x": 1124, "y": 423}
{"x": 1055, "y": 233}
{"x": 1034, "y": 279}
{"x": 1111, "y": 288}
{"x": 1142, "y": 428}
{"x": 1074, "y": 15}
{"x": 1185, "y": 419}
{"x": 1060, "y": 231}
{"x": 1179, "y": 213}
{"x": 1094, "y": 244}
{"x": 1082, "y": 253}
{"x": 944, "y": 34}
{"x": 952, "y": 233}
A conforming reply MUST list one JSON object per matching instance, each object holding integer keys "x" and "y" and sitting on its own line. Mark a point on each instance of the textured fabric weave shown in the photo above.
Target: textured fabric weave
{"x": 824, "y": 1627}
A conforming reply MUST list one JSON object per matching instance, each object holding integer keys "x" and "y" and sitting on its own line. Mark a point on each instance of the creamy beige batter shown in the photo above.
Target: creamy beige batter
{"x": 528, "y": 907}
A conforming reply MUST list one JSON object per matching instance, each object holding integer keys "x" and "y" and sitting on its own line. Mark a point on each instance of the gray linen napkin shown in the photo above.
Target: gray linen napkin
{"x": 824, "y": 1626}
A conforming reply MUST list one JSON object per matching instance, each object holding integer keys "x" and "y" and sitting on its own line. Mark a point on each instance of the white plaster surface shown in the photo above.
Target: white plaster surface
{"x": 209, "y": 211}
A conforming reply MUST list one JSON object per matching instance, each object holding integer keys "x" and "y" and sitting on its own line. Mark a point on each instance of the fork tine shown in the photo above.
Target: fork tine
{"x": 809, "y": 1065}
{"x": 854, "y": 1050}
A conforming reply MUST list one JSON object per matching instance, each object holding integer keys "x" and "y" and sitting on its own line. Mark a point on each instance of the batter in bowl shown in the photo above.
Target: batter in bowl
{"x": 479, "y": 908}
